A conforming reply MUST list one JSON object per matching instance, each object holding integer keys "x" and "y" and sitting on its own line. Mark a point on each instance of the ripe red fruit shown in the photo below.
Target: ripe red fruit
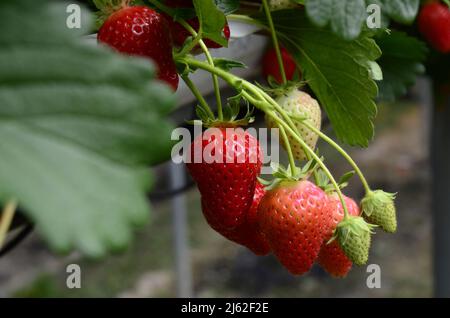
{"x": 231, "y": 160}
{"x": 142, "y": 31}
{"x": 331, "y": 257}
{"x": 434, "y": 24}
{"x": 271, "y": 67}
{"x": 294, "y": 217}
{"x": 180, "y": 34}
{"x": 247, "y": 234}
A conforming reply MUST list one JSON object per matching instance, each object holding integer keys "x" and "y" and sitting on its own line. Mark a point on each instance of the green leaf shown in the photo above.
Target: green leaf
{"x": 345, "y": 16}
{"x": 78, "y": 127}
{"x": 348, "y": 17}
{"x": 212, "y": 21}
{"x": 402, "y": 11}
{"x": 401, "y": 63}
{"x": 183, "y": 13}
{"x": 346, "y": 177}
{"x": 227, "y": 64}
{"x": 319, "y": 11}
{"x": 375, "y": 71}
{"x": 337, "y": 71}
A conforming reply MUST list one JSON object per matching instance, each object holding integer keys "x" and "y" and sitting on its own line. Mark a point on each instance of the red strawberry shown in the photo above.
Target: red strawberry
{"x": 248, "y": 233}
{"x": 225, "y": 163}
{"x": 142, "y": 31}
{"x": 272, "y": 68}
{"x": 331, "y": 257}
{"x": 434, "y": 24}
{"x": 180, "y": 34}
{"x": 294, "y": 217}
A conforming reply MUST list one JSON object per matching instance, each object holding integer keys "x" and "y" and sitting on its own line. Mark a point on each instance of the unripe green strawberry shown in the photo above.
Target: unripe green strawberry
{"x": 379, "y": 208}
{"x": 300, "y": 105}
{"x": 354, "y": 237}
{"x": 281, "y": 4}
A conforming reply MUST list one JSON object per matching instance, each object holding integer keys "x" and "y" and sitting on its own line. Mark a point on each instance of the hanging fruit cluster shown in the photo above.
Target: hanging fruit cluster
{"x": 301, "y": 215}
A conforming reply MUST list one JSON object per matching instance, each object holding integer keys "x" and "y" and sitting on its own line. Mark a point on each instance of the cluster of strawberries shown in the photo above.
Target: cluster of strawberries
{"x": 294, "y": 220}
{"x": 141, "y": 31}
{"x": 299, "y": 221}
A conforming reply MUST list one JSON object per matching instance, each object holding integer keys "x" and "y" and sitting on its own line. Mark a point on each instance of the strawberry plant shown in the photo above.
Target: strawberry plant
{"x": 79, "y": 124}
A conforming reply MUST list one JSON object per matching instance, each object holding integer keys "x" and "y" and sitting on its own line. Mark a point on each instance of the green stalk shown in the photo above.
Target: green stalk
{"x": 288, "y": 149}
{"x": 235, "y": 82}
{"x": 215, "y": 81}
{"x": 275, "y": 40}
{"x": 211, "y": 62}
{"x": 195, "y": 91}
{"x": 342, "y": 152}
{"x": 6, "y": 219}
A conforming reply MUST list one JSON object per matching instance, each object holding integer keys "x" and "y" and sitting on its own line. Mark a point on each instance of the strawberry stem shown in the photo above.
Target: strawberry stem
{"x": 6, "y": 219}
{"x": 288, "y": 149}
{"x": 215, "y": 81}
{"x": 276, "y": 44}
{"x": 342, "y": 152}
{"x": 195, "y": 91}
{"x": 211, "y": 62}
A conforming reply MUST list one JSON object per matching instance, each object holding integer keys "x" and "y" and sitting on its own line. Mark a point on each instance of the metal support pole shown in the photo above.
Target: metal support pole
{"x": 440, "y": 154}
{"x": 180, "y": 236}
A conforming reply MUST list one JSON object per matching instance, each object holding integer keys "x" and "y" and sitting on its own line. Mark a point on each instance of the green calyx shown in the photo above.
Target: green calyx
{"x": 354, "y": 236}
{"x": 230, "y": 116}
{"x": 276, "y": 90}
{"x": 111, "y": 5}
{"x": 107, "y": 8}
{"x": 323, "y": 182}
{"x": 282, "y": 175}
{"x": 379, "y": 208}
